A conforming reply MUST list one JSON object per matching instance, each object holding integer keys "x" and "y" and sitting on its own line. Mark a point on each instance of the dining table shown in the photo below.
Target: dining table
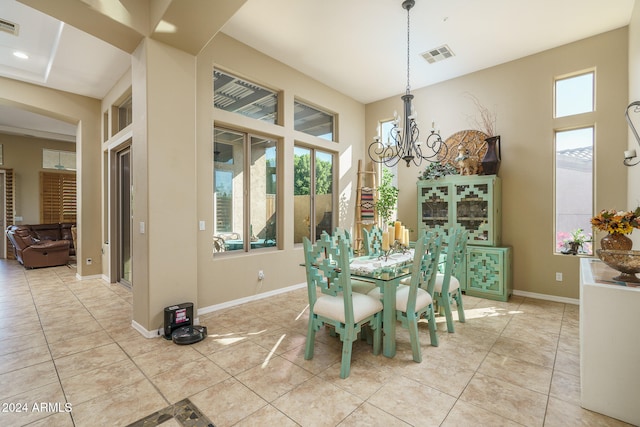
{"x": 386, "y": 271}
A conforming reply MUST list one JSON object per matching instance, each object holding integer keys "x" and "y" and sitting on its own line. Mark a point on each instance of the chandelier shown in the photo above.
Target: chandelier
{"x": 402, "y": 142}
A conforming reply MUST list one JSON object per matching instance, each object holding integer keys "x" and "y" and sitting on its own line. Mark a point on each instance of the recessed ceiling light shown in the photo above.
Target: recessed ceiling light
{"x": 20, "y": 55}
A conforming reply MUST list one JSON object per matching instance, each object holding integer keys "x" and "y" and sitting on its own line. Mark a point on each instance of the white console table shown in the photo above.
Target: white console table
{"x": 609, "y": 343}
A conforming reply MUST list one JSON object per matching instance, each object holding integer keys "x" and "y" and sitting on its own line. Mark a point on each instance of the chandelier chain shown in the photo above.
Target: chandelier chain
{"x": 408, "y": 47}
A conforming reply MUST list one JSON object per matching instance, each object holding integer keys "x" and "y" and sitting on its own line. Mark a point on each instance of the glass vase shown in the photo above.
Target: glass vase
{"x": 616, "y": 241}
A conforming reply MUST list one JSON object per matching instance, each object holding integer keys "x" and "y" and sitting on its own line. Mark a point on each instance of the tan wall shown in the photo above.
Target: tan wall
{"x": 521, "y": 94}
{"x": 24, "y": 155}
{"x": 633, "y": 173}
{"x": 85, "y": 113}
{"x": 233, "y": 276}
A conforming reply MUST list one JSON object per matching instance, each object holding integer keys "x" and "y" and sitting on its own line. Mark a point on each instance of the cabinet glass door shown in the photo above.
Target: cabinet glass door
{"x": 434, "y": 206}
{"x": 472, "y": 210}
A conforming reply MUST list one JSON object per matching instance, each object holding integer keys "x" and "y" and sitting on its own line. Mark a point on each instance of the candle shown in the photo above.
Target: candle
{"x": 385, "y": 241}
{"x": 406, "y": 237}
{"x": 398, "y": 230}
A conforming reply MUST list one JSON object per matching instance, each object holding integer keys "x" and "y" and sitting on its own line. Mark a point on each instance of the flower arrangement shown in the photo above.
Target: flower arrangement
{"x": 575, "y": 242}
{"x": 617, "y": 222}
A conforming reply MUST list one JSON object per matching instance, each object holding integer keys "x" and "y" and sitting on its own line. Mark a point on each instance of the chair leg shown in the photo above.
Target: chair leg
{"x": 447, "y": 312}
{"x": 345, "y": 365}
{"x": 412, "y": 325}
{"x": 311, "y": 338}
{"x": 461, "y": 317}
{"x": 377, "y": 333}
{"x": 433, "y": 333}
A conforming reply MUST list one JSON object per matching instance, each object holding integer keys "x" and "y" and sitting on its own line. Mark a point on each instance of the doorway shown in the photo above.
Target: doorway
{"x": 124, "y": 223}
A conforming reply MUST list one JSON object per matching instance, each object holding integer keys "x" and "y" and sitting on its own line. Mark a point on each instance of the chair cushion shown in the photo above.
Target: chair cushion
{"x": 333, "y": 307}
{"x": 423, "y": 298}
{"x": 454, "y": 284}
{"x": 362, "y": 287}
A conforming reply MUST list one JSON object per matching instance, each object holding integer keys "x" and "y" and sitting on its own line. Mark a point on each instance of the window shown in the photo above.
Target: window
{"x": 125, "y": 113}
{"x": 386, "y": 172}
{"x": 60, "y": 160}
{"x": 244, "y": 163}
{"x": 312, "y": 193}
{"x": 313, "y": 121}
{"x": 574, "y": 159}
{"x": 574, "y": 184}
{"x": 58, "y": 197}
{"x": 243, "y": 97}
{"x": 574, "y": 95}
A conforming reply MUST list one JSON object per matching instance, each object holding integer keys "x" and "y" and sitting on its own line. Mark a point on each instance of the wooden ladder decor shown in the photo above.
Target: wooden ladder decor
{"x": 366, "y": 198}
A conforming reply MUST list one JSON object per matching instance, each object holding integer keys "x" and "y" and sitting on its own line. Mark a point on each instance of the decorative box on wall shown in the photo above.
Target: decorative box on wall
{"x": 474, "y": 203}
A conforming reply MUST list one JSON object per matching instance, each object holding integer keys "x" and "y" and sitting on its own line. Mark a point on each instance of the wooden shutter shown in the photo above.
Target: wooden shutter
{"x": 9, "y": 191}
{"x": 57, "y": 197}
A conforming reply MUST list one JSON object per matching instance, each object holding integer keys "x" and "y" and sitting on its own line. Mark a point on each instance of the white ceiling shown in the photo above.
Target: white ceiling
{"x": 357, "y": 47}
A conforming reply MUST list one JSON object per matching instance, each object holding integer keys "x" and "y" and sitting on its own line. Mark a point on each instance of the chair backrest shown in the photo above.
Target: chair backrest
{"x": 372, "y": 240}
{"x": 460, "y": 252}
{"x": 327, "y": 267}
{"x": 340, "y": 234}
{"x": 456, "y": 251}
{"x": 425, "y": 267}
{"x": 432, "y": 247}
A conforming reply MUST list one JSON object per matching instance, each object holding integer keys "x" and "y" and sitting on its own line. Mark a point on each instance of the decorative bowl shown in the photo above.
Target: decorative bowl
{"x": 626, "y": 262}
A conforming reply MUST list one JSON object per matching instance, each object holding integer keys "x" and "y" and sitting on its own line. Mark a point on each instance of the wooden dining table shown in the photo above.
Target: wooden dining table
{"x": 386, "y": 273}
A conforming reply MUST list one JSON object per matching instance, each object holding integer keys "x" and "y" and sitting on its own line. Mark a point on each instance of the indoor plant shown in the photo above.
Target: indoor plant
{"x": 437, "y": 170}
{"x": 387, "y": 197}
{"x": 617, "y": 224}
{"x": 575, "y": 242}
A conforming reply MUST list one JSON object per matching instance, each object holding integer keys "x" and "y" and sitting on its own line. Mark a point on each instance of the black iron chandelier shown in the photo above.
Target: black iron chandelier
{"x": 403, "y": 143}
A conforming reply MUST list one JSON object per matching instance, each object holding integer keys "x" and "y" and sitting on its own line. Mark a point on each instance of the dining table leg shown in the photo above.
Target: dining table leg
{"x": 389, "y": 318}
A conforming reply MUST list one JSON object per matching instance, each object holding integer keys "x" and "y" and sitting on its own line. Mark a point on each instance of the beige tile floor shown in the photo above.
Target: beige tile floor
{"x": 70, "y": 342}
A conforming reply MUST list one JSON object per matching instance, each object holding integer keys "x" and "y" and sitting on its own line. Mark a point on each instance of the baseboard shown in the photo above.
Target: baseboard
{"x": 95, "y": 276}
{"x": 156, "y": 332}
{"x": 546, "y": 297}
{"x": 146, "y": 333}
{"x": 233, "y": 303}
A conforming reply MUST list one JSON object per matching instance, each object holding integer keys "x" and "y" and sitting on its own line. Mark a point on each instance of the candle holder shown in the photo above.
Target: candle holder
{"x": 396, "y": 247}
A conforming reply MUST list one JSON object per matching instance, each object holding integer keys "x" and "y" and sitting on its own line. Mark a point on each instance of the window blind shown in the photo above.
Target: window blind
{"x": 57, "y": 197}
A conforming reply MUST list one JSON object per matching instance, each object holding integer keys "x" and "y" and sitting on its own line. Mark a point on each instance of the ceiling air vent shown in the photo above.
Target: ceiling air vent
{"x": 9, "y": 27}
{"x": 438, "y": 54}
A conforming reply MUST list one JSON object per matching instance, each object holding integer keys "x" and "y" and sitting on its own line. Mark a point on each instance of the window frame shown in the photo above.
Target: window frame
{"x": 245, "y": 85}
{"x": 320, "y": 110}
{"x": 566, "y": 77}
{"x": 567, "y": 123}
{"x": 312, "y": 189}
{"x": 247, "y": 137}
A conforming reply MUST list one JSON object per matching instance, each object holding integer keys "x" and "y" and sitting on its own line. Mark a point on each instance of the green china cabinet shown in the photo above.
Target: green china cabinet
{"x": 474, "y": 203}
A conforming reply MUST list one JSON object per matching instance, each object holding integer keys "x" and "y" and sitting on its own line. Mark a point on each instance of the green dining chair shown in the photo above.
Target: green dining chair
{"x": 447, "y": 286}
{"x": 372, "y": 241}
{"x": 357, "y": 285}
{"x": 413, "y": 298}
{"x": 327, "y": 268}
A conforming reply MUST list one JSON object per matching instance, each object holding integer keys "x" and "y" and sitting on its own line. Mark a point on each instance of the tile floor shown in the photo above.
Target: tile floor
{"x": 68, "y": 356}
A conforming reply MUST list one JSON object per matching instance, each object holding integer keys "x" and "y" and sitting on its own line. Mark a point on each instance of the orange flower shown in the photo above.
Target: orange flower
{"x": 617, "y": 222}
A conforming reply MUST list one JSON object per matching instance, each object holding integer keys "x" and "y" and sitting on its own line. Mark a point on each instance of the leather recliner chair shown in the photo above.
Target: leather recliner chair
{"x": 33, "y": 252}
